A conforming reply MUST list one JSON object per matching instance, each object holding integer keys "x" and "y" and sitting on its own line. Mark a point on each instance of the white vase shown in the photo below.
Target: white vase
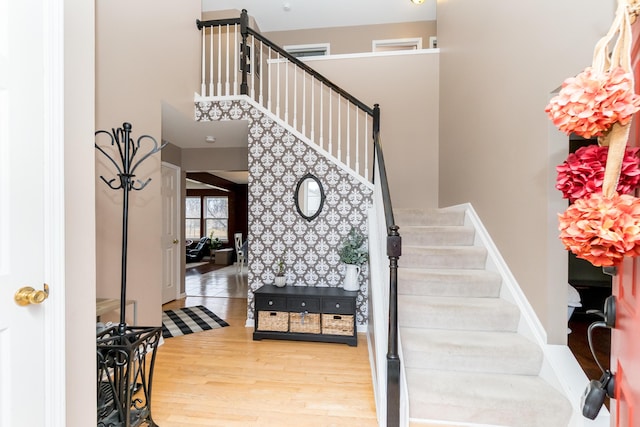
{"x": 351, "y": 278}
{"x": 280, "y": 281}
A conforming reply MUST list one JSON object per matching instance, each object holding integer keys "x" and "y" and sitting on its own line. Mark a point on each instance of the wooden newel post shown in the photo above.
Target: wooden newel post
{"x": 244, "y": 31}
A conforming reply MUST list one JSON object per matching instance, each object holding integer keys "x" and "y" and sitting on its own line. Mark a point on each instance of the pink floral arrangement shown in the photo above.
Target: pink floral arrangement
{"x": 591, "y": 102}
{"x": 583, "y": 172}
{"x": 602, "y": 230}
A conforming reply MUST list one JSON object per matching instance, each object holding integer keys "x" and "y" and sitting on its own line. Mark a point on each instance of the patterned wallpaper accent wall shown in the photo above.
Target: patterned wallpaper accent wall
{"x": 277, "y": 161}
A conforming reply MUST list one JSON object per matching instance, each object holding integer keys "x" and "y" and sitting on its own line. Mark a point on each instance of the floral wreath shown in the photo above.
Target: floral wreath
{"x": 601, "y": 226}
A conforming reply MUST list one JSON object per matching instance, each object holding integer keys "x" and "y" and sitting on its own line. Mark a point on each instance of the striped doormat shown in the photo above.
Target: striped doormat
{"x": 187, "y": 320}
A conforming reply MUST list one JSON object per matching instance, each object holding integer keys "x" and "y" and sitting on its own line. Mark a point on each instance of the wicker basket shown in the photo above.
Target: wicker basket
{"x": 306, "y": 323}
{"x": 337, "y": 324}
{"x": 277, "y": 321}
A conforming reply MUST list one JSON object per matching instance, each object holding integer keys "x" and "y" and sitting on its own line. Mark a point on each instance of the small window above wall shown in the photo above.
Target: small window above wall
{"x": 302, "y": 50}
{"x": 393, "y": 45}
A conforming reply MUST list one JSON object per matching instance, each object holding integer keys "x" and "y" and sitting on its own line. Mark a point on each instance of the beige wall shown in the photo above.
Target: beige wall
{"x": 406, "y": 87}
{"x": 355, "y": 39}
{"x": 146, "y": 52}
{"x": 79, "y": 208}
{"x": 499, "y": 63}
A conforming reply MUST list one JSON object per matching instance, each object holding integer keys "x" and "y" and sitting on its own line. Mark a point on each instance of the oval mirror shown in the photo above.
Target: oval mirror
{"x": 309, "y": 197}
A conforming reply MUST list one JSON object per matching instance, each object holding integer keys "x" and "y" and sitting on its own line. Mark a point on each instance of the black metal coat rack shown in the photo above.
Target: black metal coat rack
{"x": 126, "y": 354}
{"x": 125, "y": 181}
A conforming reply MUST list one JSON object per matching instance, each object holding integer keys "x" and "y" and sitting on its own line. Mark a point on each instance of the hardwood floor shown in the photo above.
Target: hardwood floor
{"x": 224, "y": 378}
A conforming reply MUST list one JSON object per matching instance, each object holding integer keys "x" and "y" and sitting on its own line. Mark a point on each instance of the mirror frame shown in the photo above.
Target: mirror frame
{"x": 297, "y": 193}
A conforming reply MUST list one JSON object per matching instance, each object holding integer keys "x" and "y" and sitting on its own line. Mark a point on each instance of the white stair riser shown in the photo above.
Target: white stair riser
{"x": 502, "y": 353}
{"x": 443, "y": 257}
{"x": 409, "y": 217}
{"x": 505, "y": 400}
{"x": 504, "y": 318}
{"x": 444, "y": 236}
{"x": 479, "y": 283}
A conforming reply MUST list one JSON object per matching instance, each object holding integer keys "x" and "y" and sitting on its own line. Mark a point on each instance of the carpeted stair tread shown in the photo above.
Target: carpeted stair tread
{"x": 448, "y": 282}
{"x": 504, "y": 400}
{"x": 470, "y": 351}
{"x": 438, "y": 235}
{"x": 408, "y": 217}
{"x": 479, "y": 314}
{"x": 473, "y": 257}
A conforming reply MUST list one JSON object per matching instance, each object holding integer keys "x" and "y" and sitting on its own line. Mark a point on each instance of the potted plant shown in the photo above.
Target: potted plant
{"x": 215, "y": 243}
{"x": 353, "y": 253}
{"x": 280, "y": 279}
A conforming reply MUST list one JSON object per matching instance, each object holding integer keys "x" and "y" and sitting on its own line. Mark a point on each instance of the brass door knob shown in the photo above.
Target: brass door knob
{"x": 27, "y": 295}
{"x": 175, "y": 241}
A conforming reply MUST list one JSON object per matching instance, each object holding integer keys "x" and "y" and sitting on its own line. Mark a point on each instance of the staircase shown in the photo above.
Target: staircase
{"x": 464, "y": 359}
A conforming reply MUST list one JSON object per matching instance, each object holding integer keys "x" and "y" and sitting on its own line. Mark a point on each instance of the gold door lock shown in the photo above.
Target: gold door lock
{"x": 27, "y": 295}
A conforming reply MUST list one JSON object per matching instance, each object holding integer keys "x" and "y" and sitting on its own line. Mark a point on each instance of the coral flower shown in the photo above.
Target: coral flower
{"x": 602, "y": 230}
{"x": 583, "y": 172}
{"x": 591, "y": 102}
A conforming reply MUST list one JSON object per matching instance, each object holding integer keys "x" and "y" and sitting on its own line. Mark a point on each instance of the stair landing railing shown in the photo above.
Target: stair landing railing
{"x": 237, "y": 60}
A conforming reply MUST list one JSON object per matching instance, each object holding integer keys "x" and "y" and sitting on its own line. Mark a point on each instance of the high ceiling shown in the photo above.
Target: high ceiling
{"x": 280, "y": 15}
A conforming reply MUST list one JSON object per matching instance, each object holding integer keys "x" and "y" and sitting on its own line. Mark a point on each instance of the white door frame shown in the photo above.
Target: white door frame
{"x": 179, "y": 255}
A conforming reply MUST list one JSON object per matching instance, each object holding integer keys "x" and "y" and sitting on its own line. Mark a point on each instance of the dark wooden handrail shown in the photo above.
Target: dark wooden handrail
{"x": 394, "y": 251}
{"x": 216, "y": 22}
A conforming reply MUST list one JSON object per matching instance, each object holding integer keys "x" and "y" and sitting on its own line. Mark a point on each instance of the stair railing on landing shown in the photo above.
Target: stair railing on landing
{"x": 237, "y": 60}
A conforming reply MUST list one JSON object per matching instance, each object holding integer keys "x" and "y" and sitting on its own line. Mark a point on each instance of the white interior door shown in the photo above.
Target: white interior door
{"x": 31, "y": 392}
{"x": 172, "y": 247}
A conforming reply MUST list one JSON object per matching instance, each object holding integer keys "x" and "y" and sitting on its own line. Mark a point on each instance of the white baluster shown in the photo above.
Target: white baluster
{"x": 260, "y": 77}
{"x": 313, "y": 108}
{"x": 348, "y": 162}
{"x": 330, "y": 123}
{"x": 203, "y": 86}
{"x": 236, "y": 59}
{"x": 304, "y": 101}
{"x": 278, "y": 86}
{"x": 219, "y": 85}
{"x": 211, "y": 62}
{"x": 367, "y": 123}
{"x": 357, "y": 141}
{"x": 253, "y": 69}
{"x": 321, "y": 115}
{"x": 269, "y": 63}
{"x": 339, "y": 130}
{"x": 295, "y": 97}
{"x": 286, "y": 91}
{"x": 226, "y": 83}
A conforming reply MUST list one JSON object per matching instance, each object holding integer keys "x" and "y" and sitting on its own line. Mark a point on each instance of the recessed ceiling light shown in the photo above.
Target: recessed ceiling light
{"x": 210, "y": 139}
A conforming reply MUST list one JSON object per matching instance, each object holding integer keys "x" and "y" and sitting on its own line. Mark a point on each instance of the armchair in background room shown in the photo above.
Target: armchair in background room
{"x": 201, "y": 249}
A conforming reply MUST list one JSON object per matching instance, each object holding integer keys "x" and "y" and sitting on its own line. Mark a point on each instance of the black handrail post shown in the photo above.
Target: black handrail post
{"x": 376, "y": 119}
{"x": 394, "y": 250}
{"x": 244, "y": 31}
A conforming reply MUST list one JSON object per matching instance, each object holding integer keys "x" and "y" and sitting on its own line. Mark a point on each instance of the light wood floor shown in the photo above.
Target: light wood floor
{"x": 224, "y": 378}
